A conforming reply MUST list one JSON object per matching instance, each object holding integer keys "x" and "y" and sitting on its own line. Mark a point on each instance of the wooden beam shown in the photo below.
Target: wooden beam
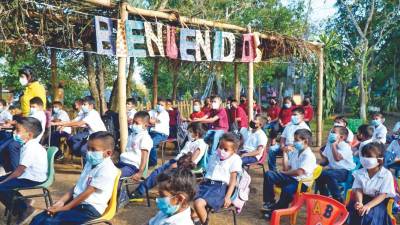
{"x": 320, "y": 96}
{"x": 250, "y": 90}
{"x": 123, "y": 120}
{"x": 103, "y": 3}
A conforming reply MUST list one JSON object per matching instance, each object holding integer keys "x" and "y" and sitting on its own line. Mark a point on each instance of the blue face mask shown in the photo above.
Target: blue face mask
{"x": 332, "y": 137}
{"x": 295, "y": 120}
{"x": 159, "y": 108}
{"x": 164, "y": 205}
{"x": 376, "y": 123}
{"x": 137, "y": 128}
{"x": 94, "y": 157}
{"x": 18, "y": 139}
{"x": 287, "y": 105}
{"x": 298, "y": 145}
{"x": 85, "y": 109}
{"x": 33, "y": 111}
{"x": 56, "y": 110}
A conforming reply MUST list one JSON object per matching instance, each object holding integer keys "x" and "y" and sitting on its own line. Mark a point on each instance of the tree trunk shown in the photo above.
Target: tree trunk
{"x": 101, "y": 84}
{"x": 155, "y": 81}
{"x": 129, "y": 80}
{"x": 343, "y": 98}
{"x": 175, "y": 74}
{"x": 395, "y": 84}
{"x": 53, "y": 62}
{"x": 363, "y": 93}
{"x": 114, "y": 97}
{"x": 88, "y": 59}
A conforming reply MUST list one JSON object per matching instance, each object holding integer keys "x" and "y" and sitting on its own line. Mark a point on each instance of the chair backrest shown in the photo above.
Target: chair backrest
{"x": 317, "y": 172}
{"x": 203, "y": 161}
{"x": 353, "y": 124}
{"x": 112, "y": 204}
{"x": 51, "y": 152}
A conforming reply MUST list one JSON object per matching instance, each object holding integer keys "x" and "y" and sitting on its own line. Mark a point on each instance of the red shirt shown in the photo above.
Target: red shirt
{"x": 173, "y": 116}
{"x": 244, "y": 106}
{"x": 286, "y": 115}
{"x": 197, "y": 115}
{"x": 240, "y": 113}
{"x": 308, "y": 113}
{"x": 273, "y": 112}
{"x": 222, "y": 122}
{"x": 206, "y": 110}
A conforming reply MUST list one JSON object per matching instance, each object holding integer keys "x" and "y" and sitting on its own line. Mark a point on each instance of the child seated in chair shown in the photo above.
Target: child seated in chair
{"x": 133, "y": 161}
{"x": 196, "y": 147}
{"x": 339, "y": 158}
{"x": 364, "y": 136}
{"x": 59, "y": 115}
{"x": 255, "y": 141}
{"x": 341, "y": 121}
{"x": 31, "y": 170}
{"x": 373, "y": 185}
{"x": 177, "y": 190}
{"x": 298, "y": 164}
{"x": 380, "y": 130}
{"x": 89, "y": 198}
{"x": 218, "y": 186}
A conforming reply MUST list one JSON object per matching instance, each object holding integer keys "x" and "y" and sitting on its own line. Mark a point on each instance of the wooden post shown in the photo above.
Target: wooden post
{"x": 320, "y": 95}
{"x": 250, "y": 90}
{"x": 237, "y": 82}
{"x": 155, "y": 81}
{"x": 53, "y": 65}
{"x": 123, "y": 120}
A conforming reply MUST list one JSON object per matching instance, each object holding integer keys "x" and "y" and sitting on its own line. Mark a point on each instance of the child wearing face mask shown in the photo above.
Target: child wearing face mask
{"x": 176, "y": 191}
{"x": 89, "y": 198}
{"x": 342, "y": 121}
{"x": 254, "y": 141}
{"x": 339, "y": 158}
{"x": 364, "y": 136}
{"x": 297, "y": 165}
{"x": 195, "y": 146}
{"x": 59, "y": 115}
{"x": 239, "y": 117}
{"x": 5, "y": 115}
{"x": 197, "y": 112}
{"x": 221, "y": 176}
{"x": 285, "y": 114}
{"x": 392, "y": 156}
{"x": 373, "y": 185}
{"x": 31, "y": 169}
{"x": 380, "y": 130}
{"x": 37, "y": 112}
{"x": 133, "y": 161}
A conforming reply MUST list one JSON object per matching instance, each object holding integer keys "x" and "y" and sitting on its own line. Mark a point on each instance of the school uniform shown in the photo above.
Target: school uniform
{"x": 173, "y": 122}
{"x": 182, "y": 218}
{"x": 350, "y": 136}
{"x": 129, "y": 161}
{"x": 305, "y": 160}
{"x": 380, "y": 133}
{"x": 213, "y": 189}
{"x": 337, "y": 171}
{"x": 34, "y": 158}
{"x": 252, "y": 141}
{"x": 273, "y": 113}
{"x": 102, "y": 178}
{"x": 362, "y": 144}
{"x": 381, "y": 182}
{"x": 240, "y": 113}
{"x": 65, "y": 132}
{"x": 5, "y": 115}
{"x": 41, "y": 116}
{"x": 190, "y": 146}
{"x": 393, "y": 153}
{"x": 288, "y": 134}
{"x": 131, "y": 114}
{"x": 216, "y": 129}
{"x": 158, "y": 133}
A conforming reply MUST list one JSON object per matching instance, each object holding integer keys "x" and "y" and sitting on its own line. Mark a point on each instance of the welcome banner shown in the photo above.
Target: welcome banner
{"x": 141, "y": 39}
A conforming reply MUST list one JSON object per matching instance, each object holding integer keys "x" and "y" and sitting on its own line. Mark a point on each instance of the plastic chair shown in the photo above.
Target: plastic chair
{"x": 51, "y": 152}
{"x": 354, "y": 123}
{"x": 346, "y": 185}
{"x": 200, "y": 170}
{"x": 111, "y": 209}
{"x": 231, "y": 209}
{"x": 163, "y": 145}
{"x": 321, "y": 210}
{"x": 260, "y": 163}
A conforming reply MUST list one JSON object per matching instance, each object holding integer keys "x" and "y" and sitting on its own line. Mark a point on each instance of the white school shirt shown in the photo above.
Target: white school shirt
{"x": 80, "y": 116}
{"x": 382, "y": 182}
{"x": 252, "y": 140}
{"x": 350, "y": 136}
{"x": 344, "y": 149}
{"x": 163, "y": 125}
{"x": 34, "y": 158}
{"x": 41, "y": 116}
{"x": 395, "y": 148}
{"x": 131, "y": 113}
{"x": 64, "y": 117}
{"x": 192, "y": 146}
{"x": 362, "y": 144}
{"x": 306, "y": 161}
{"x": 94, "y": 122}
{"x": 182, "y": 218}
{"x": 136, "y": 143}
{"x": 5, "y": 115}
{"x": 380, "y": 134}
{"x": 218, "y": 170}
{"x": 396, "y": 127}
{"x": 102, "y": 178}
{"x": 288, "y": 132}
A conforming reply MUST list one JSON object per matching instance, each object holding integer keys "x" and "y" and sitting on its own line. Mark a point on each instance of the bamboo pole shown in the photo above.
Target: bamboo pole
{"x": 123, "y": 124}
{"x": 250, "y": 90}
{"x": 320, "y": 95}
{"x": 53, "y": 66}
{"x": 155, "y": 82}
{"x": 237, "y": 81}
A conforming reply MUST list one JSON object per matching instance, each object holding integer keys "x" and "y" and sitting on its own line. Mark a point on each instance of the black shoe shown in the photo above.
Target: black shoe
{"x": 268, "y": 206}
{"x": 136, "y": 197}
{"x": 268, "y": 215}
{"x": 60, "y": 157}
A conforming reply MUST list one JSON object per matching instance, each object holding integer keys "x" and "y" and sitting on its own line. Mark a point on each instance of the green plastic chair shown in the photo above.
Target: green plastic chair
{"x": 354, "y": 123}
{"x": 202, "y": 165}
{"x": 51, "y": 152}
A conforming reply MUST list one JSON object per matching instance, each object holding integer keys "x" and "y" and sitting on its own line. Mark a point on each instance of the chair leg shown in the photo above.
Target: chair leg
{"x": 46, "y": 200}
{"x": 10, "y": 211}
{"x": 147, "y": 196}
{"x": 234, "y": 216}
{"x": 49, "y": 197}
{"x": 162, "y": 152}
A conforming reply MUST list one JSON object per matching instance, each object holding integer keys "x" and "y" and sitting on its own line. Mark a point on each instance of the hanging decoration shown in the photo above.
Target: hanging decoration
{"x": 171, "y": 48}
{"x": 203, "y": 44}
{"x": 257, "y": 44}
{"x": 217, "y": 46}
{"x": 187, "y": 45}
{"x": 135, "y": 39}
{"x": 122, "y": 48}
{"x": 248, "y": 48}
{"x": 228, "y": 40}
{"x": 151, "y": 38}
{"x": 104, "y": 36}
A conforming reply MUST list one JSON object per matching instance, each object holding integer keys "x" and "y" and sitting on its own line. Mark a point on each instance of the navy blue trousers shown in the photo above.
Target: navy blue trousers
{"x": 151, "y": 180}
{"x": 328, "y": 182}
{"x": 376, "y": 216}
{"x": 9, "y": 155}
{"x": 157, "y": 139}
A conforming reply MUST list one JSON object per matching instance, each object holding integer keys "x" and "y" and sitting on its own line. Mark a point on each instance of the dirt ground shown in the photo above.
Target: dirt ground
{"x": 138, "y": 213}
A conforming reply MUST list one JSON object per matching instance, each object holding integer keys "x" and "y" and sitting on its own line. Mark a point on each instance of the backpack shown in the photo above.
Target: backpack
{"x": 241, "y": 195}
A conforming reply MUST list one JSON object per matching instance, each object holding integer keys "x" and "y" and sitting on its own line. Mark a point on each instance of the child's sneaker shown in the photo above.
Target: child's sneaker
{"x": 136, "y": 197}
{"x": 268, "y": 215}
{"x": 268, "y": 206}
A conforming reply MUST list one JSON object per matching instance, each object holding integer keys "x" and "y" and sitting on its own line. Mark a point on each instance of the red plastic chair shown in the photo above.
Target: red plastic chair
{"x": 260, "y": 163}
{"x": 321, "y": 210}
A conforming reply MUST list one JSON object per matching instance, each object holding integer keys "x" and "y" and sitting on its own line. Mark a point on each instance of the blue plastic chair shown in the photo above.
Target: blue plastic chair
{"x": 347, "y": 185}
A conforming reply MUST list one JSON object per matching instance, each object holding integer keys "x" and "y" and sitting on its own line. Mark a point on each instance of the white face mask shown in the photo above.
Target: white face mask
{"x": 215, "y": 105}
{"x": 369, "y": 163}
{"x": 196, "y": 108}
{"x": 33, "y": 111}
{"x": 23, "y": 81}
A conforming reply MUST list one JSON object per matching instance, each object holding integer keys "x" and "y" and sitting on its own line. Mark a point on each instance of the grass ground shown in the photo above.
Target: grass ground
{"x": 138, "y": 213}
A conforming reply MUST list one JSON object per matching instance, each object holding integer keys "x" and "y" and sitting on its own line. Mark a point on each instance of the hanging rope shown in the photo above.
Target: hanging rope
{"x": 209, "y": 85}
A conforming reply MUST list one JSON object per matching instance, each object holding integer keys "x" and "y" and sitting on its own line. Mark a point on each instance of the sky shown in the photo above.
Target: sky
{"x": 322, "y": 9}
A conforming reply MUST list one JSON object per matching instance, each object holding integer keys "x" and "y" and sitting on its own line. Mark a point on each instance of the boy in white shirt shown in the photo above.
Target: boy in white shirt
{"x": 298, "y": 164}
{"x": 364, "y": 136}
{"x": 130, "y": 112}
{"x": 287, "y": 137}
{"x": 380, "y": 131}
{"x": 339, "y": 157}
{"x": 133, "y": 161}
{"x": 31, "y": 170}
{"x": 90, "y": 196}
{"x": 37, "y": 111}
{"x": 5, "y": 115}
{"x": 392, "y": 156}
{"x": 159, "y": 119}
{"x": 59, "y": 115}
{"x": 91, "y": 120}
{"x": 341, "y": 121}
{"x": 255, "y": 141}
{"x": 220, "y": 180}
